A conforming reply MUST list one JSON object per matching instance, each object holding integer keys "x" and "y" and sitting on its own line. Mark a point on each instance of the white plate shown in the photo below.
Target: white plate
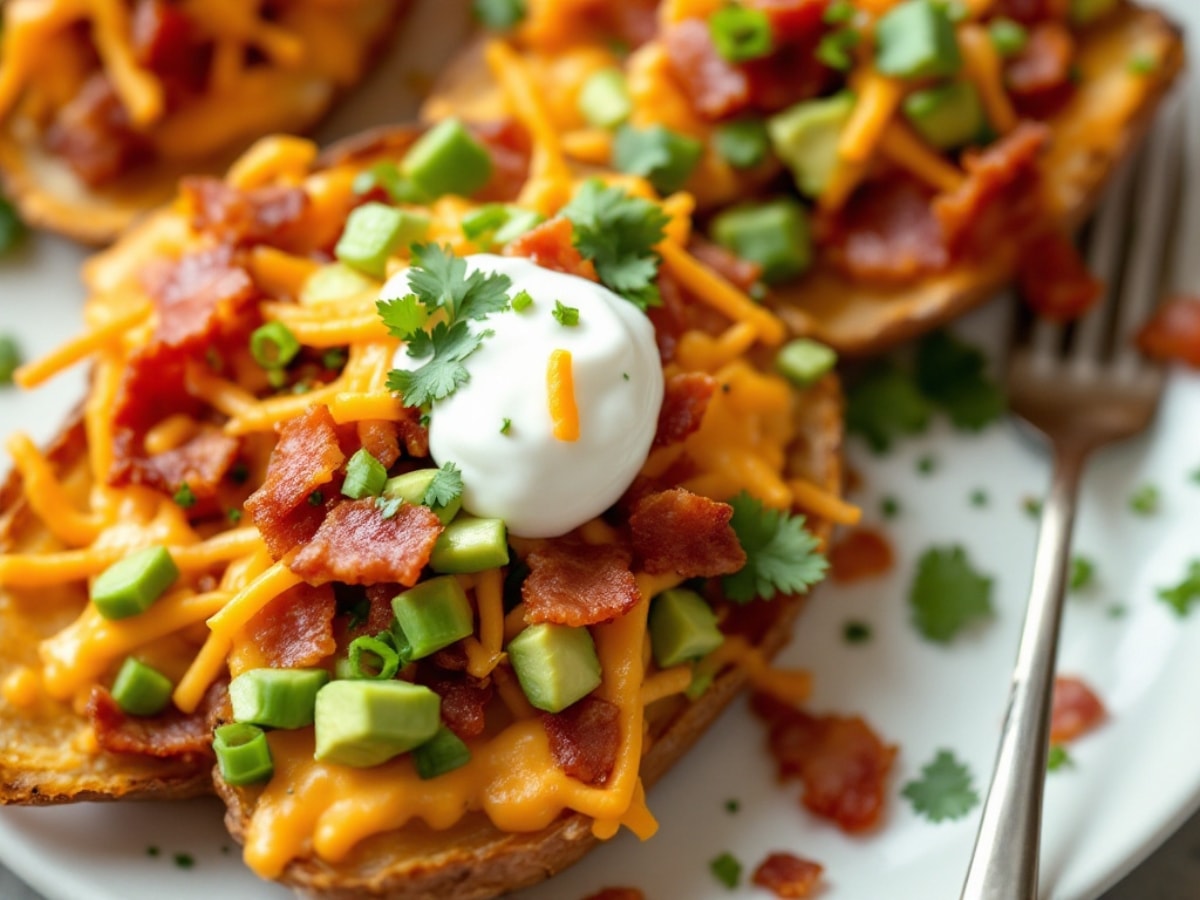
{"x": 1134, "y": 781}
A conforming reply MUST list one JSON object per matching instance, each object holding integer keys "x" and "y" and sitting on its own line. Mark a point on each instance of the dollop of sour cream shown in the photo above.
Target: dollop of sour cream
{"x": 497, "y": 427}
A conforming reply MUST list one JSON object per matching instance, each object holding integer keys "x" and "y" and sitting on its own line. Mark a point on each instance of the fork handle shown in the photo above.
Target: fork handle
{"x": 1004, "y": 864}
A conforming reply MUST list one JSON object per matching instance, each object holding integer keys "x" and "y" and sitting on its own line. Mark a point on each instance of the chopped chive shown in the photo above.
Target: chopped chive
{"x": 733, "y": 805}
{"x": 521, "y": 301}
{"x": 273, "y": 345}
{"x": 1032, "y": 506}
{"x": 1082, "y": 574}
{"x": 979, "y": 498}
{"x": 726, "y": 869}
{"x": 234, "y": 516}
{"x": 373, "y": 659}
{"x": 365, "y": 476}
{"x": 1008, "y": 37}
{"x": 184, "y": 497}
{"x": 604, "y": 99}
{"x": 856, "y": 632}
{"x": 184, "y": 860}
{"x": 316, "y": 498}
{"x": 889, "y": 507}
{"x": 926, "y": 465}
{"x": 141, "y": 690}
{"x": 836, "y": 49}
{"x": 1058, "y": 758}
{"x": 804, "y": 361}
{"x": 742, "y": 143}
{"x": 1145, "y": 500}
{"x": 10, "y": 358}
{"x": 740, "y": 33}
{"x": 243, "y": 755}
{"x": 505, "y": 425}
{"x": 567, "y": 316}
{"x": 498, "y": 15}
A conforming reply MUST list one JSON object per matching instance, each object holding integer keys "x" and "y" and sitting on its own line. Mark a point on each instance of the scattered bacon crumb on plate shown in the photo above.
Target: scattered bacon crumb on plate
{"x": 788, "y": 876}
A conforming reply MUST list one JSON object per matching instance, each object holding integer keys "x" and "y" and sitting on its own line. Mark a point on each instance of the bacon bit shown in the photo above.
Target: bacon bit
{"x": 685, "y": 533}
{"x": 617, "y": 893}
{"x": 861, "y": 553}
{"x": 1055, "y": 281}
{"x": 510, "y": 148}
{"x": 788, "y": 876}
{"x": 381, "y": 439}
{"x": 464, "y": 702}
{"x": 295, "y": 629}
{"x": 1173, "y": 332}
{"x": 793, "y": 21}
{"x": 304, "y": 459}
{"x": 197, "y": 294}
{"x": 984, "y": 207}
{"x": 266, "y": 215}
{"x": 1076, "y": 710}
{"x": 200, "y": 463}
{"x": 887, "y": 232}
{"x": 685, "y": 401}
{"x": 1039, "y": 77}
{"x": 93, "y": 135}
{"x": 380, "y": 613}
{"x": 573, "y": 583}
{"x": 357, "y": 545}
{"x": 170, "y": 734}
{"x": 1030, "y": 12}
{"x": 452, "y": 658}
{"x": 842, "y": 762}
{"x": 739, "y": 272}
{"x": 549, "y": 246}
{"x": 585, "y": 738}
{"x": 413, "y": 435}
{"x": 671, "y": 319}
{"x": 791, "y": 74}
{"x": 162, "y": 38}
{"x": 716, "y": 87}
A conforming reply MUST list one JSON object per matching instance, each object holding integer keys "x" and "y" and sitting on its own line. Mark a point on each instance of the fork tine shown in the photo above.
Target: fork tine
{"x": 1153, "y": 211}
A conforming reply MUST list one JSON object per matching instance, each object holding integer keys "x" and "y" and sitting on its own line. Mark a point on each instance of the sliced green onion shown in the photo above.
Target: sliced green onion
{"x": 131, "y": 585}
{"x": 365, "y": 476}
{"x": 273, "y": 345}
{"x": 10, "y": 358}
{"x": 141, "y": 690}
{"x": 604, "y": 99}
{"x": 447, "y": 160}
{"x": 442, "y": 753}
{"x": 521, "y": 301}
{"x": 243, "y": 754}
{"x": 665, "y": 158}
{"x": 487, "y": 218}
{"x": 839, "y": 12}
{"x": 836, "y": 49}
{"x": 370, "y": 657}
{"x": 1008, "y": 37}
{"x": 804, "y": 361}
{"x": 743, "y": 143}
{"x": 184, "y": 497}
{"x": 741, "y": 34}
{"x": 386, "y": 175}
{"x": 12, "y": 229}
{"x": 567, "y": 316}
{"x": 519, "y": 221}
{"x": 498, "y": 15}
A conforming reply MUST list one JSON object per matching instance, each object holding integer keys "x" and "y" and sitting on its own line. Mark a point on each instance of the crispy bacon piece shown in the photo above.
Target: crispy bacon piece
{"x": 357, "y": 545}
{"x": 844, "y": 765}
{"x": 1054, "y": 279}
{"x": 685, "y": 400}
{"x": 197, "y": 295}
{"x": 1173, "y": 332}
{"x": 788, "y": 876}
{"x": 739, "y": 272}
{"x": 380, "y": 613}
{"x": 573, "y": 583}
{"x": 304, "y": 459}
{"x": 1000, "y": 190}
{"x": 509, "y": 146}
{"x": 585, "y": 738}
{"x": 413, "y": 435}
{"x": 266, "y": 215}
{"x": 793, "y": 21}
{"x": 170, "y": 734}
{"x": 200, "y": 463}
{"x": 861, "y": 553}
{"x": 617, "y": 893}
{"x": 464, "y": 702}
{"x": 1040, "y": 76}
{"x": 685, "y": 533}
{"x": 381, "y": 439}
{"x": 716, "y": 88}
{"x": 93, "y": 134}
{"x": 295, "y": 629}
{"x": 549, "y": 246}
{"x": 887, "y": 232}
{"x": 1076, "y": 710}
{"x": 164, "y": 41}
{"x": 1030, "y": 12}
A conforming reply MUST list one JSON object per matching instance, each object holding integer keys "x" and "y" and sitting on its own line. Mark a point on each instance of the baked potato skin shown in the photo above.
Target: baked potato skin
{"x": 474, "y": 861}
{"x": 47, "y": 755}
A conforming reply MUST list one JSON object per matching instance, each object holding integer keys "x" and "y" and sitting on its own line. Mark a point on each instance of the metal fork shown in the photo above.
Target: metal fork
{"x": 1079, "y": 391}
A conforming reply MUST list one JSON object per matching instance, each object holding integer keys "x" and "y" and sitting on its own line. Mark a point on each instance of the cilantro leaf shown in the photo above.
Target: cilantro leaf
{"x": 953, "y": 375}
{"x": 884, "y": 404}
{"x": 1182, "y": 596}
{"x": 1082, "y": 573}
{"x": 439, "y": 279}
{"x": 726, "y": 869}
{"x": 404, "y": 317}
{"x": 618, "y": 233}
{"x": 441, "y": 374}
{"x": 567, "y": 316}
{"x": 445, "y": 488}
{"x": 1058, "y": 757}
{"x": 947, "y": 594}
{"x": 781, "y": 556}
{"x": 944, "y": 789}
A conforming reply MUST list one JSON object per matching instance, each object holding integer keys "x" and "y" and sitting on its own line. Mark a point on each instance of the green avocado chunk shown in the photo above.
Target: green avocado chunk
{"x": 411, "y": 488}
{"x": 433, "y": 615}
{"x": 365, "y": 723}
{"x": 276, "y": 698}
{"x": 555, "y": 664}
{"x": 916, "y": 40}
{"x": 682, "y": 627}
{"x": 774, "y": 234}
{"x": 1084, "y": 12}
{"x": 470, "y": 545}
{"x": 947, "y": 116}
{"x": 805, "y": 137}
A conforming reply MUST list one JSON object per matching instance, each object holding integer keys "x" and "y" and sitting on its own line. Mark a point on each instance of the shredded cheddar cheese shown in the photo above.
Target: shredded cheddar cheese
{"x": 560, "y": 392}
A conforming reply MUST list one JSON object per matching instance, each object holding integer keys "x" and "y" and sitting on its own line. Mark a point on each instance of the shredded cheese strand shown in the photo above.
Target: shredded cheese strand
{"x": 717, "y": 292}
{"x": 560, "y": 391}
{"x": 79, "y": 348}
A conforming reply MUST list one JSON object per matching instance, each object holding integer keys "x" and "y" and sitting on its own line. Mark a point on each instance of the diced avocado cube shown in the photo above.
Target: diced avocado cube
{"x": 141, "y": 690}
{"x": 447, "y": 160}
{"x": 947, "y": 116}
{"x": 555, "y": 664}
{"x": 411, "y": 487}
{"x": 916, "y": 40}
{"x": 334, "y": 282}
{"x": 805, "y": 137}
{"x": 520, "y": 220}
{"x": 131, "y": 585}
{"x": 374, "y": 232}
{"x": 803, "y": 361}
{"x": 470, "y": 545}
{"x": 365, "y": 723}
{"x": 682, "y": 627}
{"x": 442, "y": 753}
{"x": 743, "y": 143}
{"x": 433, "y": 615}
{"x": 664, "y": 158}
{"x": 276, "y": 698}
{"x": 1084, "y": 12}
{"x": 774, "y": 234}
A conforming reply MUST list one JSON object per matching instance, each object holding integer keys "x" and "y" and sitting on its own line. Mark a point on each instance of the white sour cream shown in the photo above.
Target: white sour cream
{"x": 541, "y": 486}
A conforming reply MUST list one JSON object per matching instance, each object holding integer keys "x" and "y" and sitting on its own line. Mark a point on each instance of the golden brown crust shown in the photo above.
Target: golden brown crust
{"x": 48, "y": 195}
{"x": 46, "y": 750}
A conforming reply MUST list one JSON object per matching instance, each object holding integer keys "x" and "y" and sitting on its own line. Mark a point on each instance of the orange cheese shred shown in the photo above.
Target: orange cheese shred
{"x": 560, "y": 390}
{"x": 720, "y": 294}
{"x": 908, "y": 151}
{"x": 985, "y": 70}
{"x": 66, "y": 355}
{"x": 813, "y": 498}
{"x": 877, "y": 99}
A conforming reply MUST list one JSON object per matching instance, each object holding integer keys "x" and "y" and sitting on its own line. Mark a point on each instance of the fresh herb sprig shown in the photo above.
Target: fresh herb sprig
{"x": 781, "y": 555}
